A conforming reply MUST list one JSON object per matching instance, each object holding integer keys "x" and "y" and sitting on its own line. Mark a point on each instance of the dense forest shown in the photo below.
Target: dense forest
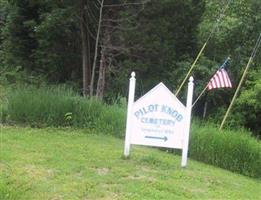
{"x": 93, "y": 45}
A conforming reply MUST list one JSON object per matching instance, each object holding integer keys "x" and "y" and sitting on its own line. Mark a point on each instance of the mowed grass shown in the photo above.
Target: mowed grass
{"x": 78, "y": 164}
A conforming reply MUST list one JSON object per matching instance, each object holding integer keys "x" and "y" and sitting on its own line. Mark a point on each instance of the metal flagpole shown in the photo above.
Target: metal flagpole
{"x": 242, "y": 79}
{"x": 228, "y": 58}
{"x": 205, "y": 106}
{"x": 200, "y": 95}
{"x": 192, "y": 66}
{"x": 203, "y": 47}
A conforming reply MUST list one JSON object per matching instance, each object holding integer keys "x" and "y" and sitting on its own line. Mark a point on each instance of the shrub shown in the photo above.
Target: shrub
{"x": 236, "y": 151}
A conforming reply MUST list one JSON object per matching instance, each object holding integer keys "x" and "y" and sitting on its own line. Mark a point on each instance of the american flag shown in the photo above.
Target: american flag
{"x": 220, "y": 78}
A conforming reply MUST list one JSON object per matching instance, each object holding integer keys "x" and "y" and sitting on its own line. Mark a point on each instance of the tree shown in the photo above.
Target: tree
{"x": 161, "y": 46}
{"x": 234, "y": 37}
{"x": 18, "y": 35}
{"x": 85, "y": 40}
{"x": 109, "y": 20}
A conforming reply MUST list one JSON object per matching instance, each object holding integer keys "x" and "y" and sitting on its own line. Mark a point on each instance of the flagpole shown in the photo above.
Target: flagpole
{"x": 205, "y": 106}
{"x": 192, "y": 66}
{"x": 200, "y": 95}
{"x": 203, "y": 47}
{"x": 241, "y": 81}
{"x": 228, "y": 58}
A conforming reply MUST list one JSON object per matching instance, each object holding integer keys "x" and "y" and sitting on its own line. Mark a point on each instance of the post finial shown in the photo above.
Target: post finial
{"x": 191, "y": 79}
{"x": 132, "y": 74}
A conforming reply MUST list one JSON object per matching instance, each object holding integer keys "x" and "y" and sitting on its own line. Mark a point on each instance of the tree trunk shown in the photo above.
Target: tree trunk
{"x": 101, "y": 78}
{"x": 96, "y": 50}
{"x": 86, "y": 66}
{"x": 205, "y": 109}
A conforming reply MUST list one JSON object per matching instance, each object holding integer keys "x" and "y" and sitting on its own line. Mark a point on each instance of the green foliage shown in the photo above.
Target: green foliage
{"x": 60, "y": 106}
{"x": 158, "y": 41}
{"x": 42, "y": 105}
{"x": 162, "y": 42}
{"x": 247, "y": 107}
{"x": 41, "y": 37}
{"x": 233, "y": 150}
{"x": 18, "y": 34}
{"x": 16, "y": 76}
{"x": 235, "y": 37}
{"x": 236, "y": 34}
{"x": 58, "y": 54}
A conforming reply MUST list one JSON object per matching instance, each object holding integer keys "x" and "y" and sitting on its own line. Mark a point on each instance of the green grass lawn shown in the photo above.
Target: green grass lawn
{"x": 76, "y": 164}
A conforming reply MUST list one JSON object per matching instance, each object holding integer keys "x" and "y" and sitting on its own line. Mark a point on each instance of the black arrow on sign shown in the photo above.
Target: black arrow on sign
{"x": 157, "y": 138}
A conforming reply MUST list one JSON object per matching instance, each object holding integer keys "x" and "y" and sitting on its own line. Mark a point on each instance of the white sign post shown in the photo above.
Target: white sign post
{"x": 129, "y": 122}
{"x": 187, "y": 122}
{"x": 158, "y": 119}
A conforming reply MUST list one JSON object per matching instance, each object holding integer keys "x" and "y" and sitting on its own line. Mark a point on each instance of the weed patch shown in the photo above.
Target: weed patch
{"x": 60, "y": 106}
{"x": 235, "y": 151}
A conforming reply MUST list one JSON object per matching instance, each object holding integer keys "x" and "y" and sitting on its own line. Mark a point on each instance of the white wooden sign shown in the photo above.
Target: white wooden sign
{"x": 158, "y": 119}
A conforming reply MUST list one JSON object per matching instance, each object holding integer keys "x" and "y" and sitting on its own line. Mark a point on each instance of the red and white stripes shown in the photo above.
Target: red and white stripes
{"x": 219, "y": 80}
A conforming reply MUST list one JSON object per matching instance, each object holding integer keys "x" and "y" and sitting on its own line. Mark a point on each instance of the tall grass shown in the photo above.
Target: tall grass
{"x": 236, "y": 151}
{"x": 60, "y": 106}
{"x": 39, "y": 106}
